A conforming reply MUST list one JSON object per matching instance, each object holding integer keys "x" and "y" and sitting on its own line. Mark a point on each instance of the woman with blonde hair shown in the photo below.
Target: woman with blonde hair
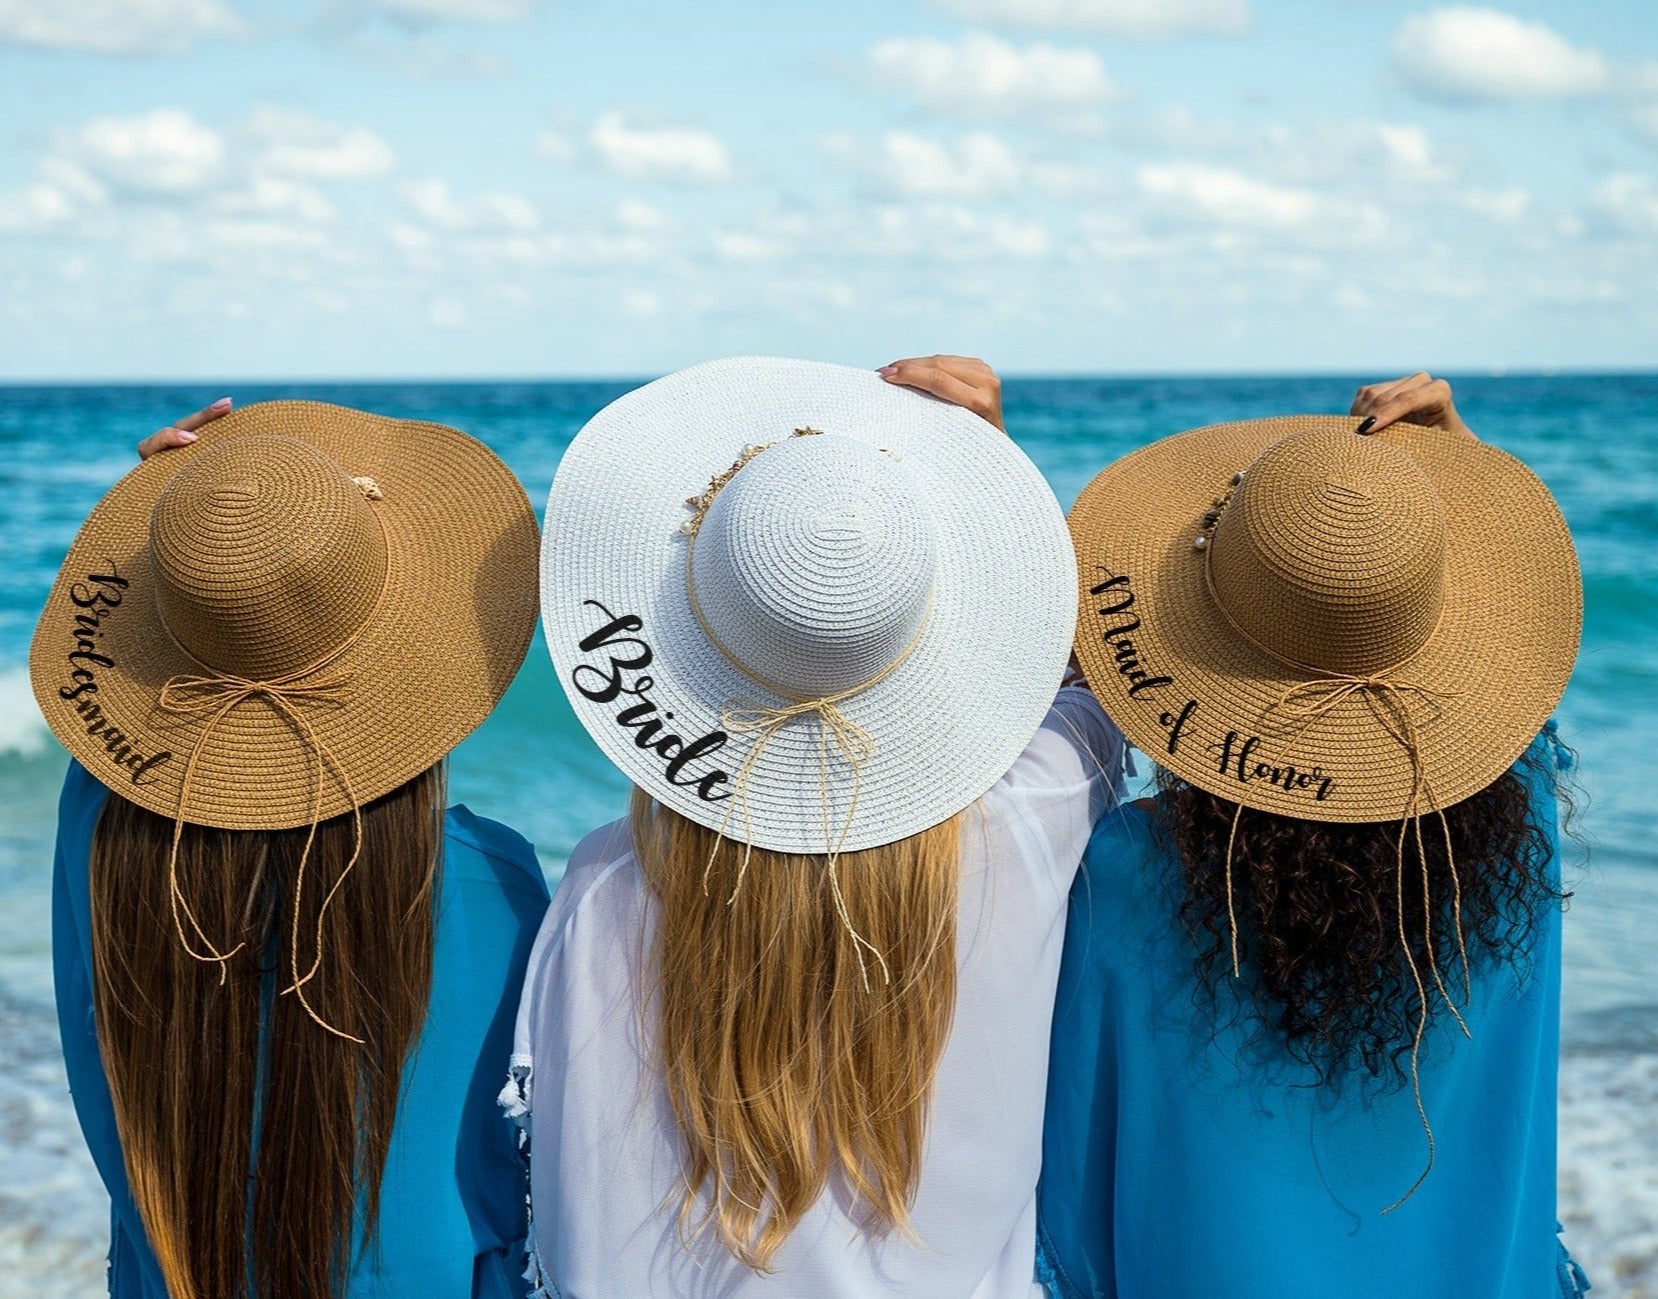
{"x": 785, "y": 1028}
{"x": 282, "y": 967}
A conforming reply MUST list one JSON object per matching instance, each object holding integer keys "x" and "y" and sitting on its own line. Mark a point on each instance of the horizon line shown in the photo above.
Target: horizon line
{"x": 1017, "y": 376}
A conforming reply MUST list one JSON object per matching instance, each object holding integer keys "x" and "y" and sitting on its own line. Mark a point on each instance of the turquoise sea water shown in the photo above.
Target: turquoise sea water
{"x": 1593, "y": 439}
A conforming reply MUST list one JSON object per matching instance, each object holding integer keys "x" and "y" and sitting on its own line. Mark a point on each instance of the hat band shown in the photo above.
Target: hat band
{"x": 217, "y": 694}
{"x": 855, "y": 744}
{"x": 1389, "y": 699}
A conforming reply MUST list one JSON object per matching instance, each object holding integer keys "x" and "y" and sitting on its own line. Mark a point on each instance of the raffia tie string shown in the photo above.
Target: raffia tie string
{"x": 765, "y": 722}
{"x": 219, "y": 695}
{"x": 1390, "y": 700}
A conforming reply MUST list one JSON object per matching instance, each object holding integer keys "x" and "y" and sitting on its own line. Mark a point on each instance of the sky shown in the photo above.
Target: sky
{"x": 206, "y": 189}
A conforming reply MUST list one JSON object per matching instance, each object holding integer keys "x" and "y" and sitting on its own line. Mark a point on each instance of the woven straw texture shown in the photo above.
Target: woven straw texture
{"x": 265, "y": 560}
{"x": 913, "y": 525}
{"x": 1414, "y": 555}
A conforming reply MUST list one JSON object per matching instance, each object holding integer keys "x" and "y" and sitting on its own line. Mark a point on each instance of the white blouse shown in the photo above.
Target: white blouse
{"x": 604, "y": 1149}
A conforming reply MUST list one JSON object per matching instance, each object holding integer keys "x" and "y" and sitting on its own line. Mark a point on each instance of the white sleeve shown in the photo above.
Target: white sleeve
{"x": 606, "y": 844}
{"x": 1068, "y": 777}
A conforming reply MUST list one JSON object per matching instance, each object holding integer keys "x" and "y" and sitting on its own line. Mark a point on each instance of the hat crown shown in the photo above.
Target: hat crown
{"x": 1331, "y": 553}
{"x": 814, "y": 565}
{"x": 267, "y": 556}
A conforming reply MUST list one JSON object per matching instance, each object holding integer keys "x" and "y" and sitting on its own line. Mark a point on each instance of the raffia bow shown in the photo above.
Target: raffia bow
{"x": 1389, "y": 700}
{"x": 857, "y": 747}
{"x": 219, "y": 695}
{"x": 765, "y": 722}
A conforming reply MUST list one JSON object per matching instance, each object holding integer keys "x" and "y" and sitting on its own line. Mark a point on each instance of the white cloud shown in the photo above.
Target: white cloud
{"x": 1067, "y": 180}
{"x": 639, "y": 217}
{"x": 1473, "y": 55}
{"x": 35, "y": 208}
{"x": 447, "y": 313}
{"x": 977, "y": 166}
{"x": 743, "y": 246}
{"x": 555, "y": 146}
{"x": 1220, "y": 196}
{"x": 125, "y": 27}
{"x": 949, "y": 233}
{"x": 1128, "y": 19}
{"x": 1406, "y": 146}
{"x": 983, "y": 75}
{"x": 421, "y": 13}
{"x": 270, "y": 196}
{"x": 490, "y": 213}
{"x": 165, "y": 151}
{"x": 1229, "y": 201}
{"x": 1642, "y": 119}
{"x": 1504, "y": 206}
{"x": 295, "y": 144}
{"x": 686, "y": 155}
{"x": 1626, "y": 203}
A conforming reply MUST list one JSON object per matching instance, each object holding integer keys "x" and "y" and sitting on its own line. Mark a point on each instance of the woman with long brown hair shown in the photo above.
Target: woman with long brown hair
{"x": 283, "y": 969}
{"x": 1306, "y": 1032}
{"x": 785, "y": 1028}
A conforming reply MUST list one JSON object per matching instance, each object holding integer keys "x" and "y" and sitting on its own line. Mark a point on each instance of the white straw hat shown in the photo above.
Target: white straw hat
{"x": 802, "y": 606}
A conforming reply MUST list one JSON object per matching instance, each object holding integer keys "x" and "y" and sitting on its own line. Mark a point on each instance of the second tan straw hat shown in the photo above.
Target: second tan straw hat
{"x": 301, "y": 611}
{"x": 1324, "y": 625}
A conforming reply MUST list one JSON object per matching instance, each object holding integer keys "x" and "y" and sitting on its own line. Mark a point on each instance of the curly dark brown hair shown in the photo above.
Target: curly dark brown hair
{"x": 1318, "y": 914}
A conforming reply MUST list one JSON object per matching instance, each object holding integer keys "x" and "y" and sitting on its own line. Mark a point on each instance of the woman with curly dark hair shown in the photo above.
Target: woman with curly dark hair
{"x": 1306, "y": 1034}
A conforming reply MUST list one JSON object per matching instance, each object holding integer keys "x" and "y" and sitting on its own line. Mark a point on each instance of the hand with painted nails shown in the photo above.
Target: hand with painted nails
{"x": 964, "y": 380}
{"x": 1416, "y": 399}
{"x": 183, "y": 433}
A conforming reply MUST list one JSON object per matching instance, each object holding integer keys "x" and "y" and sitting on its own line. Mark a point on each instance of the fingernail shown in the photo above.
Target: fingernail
{"x": 886, "y": 370}
{"x": 1368, "y": 424}
{"x": 185, "y": 435}
{"x": 220, "y": 404}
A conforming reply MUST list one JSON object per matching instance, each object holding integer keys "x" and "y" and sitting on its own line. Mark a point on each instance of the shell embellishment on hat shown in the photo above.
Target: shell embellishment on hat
{"x": 824, "y": 625}
{"x": 1374, "y": 629}
{"x": 222, "y": 646}
{"x": 1216, "y": 508}
{"x": 699, "y": 504}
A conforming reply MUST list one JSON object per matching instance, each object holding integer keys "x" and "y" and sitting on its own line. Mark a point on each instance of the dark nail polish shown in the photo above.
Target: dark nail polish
{"x": 1369, "y": 423}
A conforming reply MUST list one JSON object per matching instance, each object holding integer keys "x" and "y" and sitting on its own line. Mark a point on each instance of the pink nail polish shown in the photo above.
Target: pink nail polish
{"x": 220, "y": 404}
{"x": 184, "y": 435}
{"x": 885, "y": 370}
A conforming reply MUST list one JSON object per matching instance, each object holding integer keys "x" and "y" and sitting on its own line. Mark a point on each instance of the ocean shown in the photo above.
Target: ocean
{"x": 1593, "y": 439}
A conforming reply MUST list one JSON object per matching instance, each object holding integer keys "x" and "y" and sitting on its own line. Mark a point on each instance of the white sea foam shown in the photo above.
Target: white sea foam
{"x": 1609, "y": 1170}
{"x": 54, "y": 1215}
{"x": 22, "y": 729}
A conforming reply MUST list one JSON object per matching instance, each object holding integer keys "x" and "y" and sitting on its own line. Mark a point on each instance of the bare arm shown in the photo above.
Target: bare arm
{"x": 183, "y": 433}
{"x": 964, "y": 380}
{"x": 1418, "y": 399}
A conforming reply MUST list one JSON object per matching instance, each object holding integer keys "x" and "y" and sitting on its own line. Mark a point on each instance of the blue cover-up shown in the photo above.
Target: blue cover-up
{"x": 452, "y": 1201}
{"x": 1188, "y": 1156}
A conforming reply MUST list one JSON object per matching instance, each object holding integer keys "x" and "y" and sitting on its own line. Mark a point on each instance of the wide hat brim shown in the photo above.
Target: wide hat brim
{"x": 946, "y": 724}
{"x": 1209, "y": 707}
{"x": 433, "y": 659}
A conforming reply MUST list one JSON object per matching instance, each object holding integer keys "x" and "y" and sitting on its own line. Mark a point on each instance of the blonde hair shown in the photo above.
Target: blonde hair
{"x": 786, "y": 1058}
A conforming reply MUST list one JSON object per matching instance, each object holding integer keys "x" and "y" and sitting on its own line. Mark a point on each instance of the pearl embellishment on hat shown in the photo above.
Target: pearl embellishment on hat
{"x": 1216, "y": 506}
{"x": 699, "y": 504}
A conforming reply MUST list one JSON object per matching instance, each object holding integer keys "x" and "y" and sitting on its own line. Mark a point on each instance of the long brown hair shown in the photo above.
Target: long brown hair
{"x": 787, "y": 1053}
{"x": 220, "y": 1087}
{"x": 1318, "y": 907}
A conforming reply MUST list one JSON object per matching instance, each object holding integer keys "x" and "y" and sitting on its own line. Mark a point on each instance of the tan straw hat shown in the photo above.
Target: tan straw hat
{"x": 289, "y": 618}
{"x": 1322, "y": 625}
